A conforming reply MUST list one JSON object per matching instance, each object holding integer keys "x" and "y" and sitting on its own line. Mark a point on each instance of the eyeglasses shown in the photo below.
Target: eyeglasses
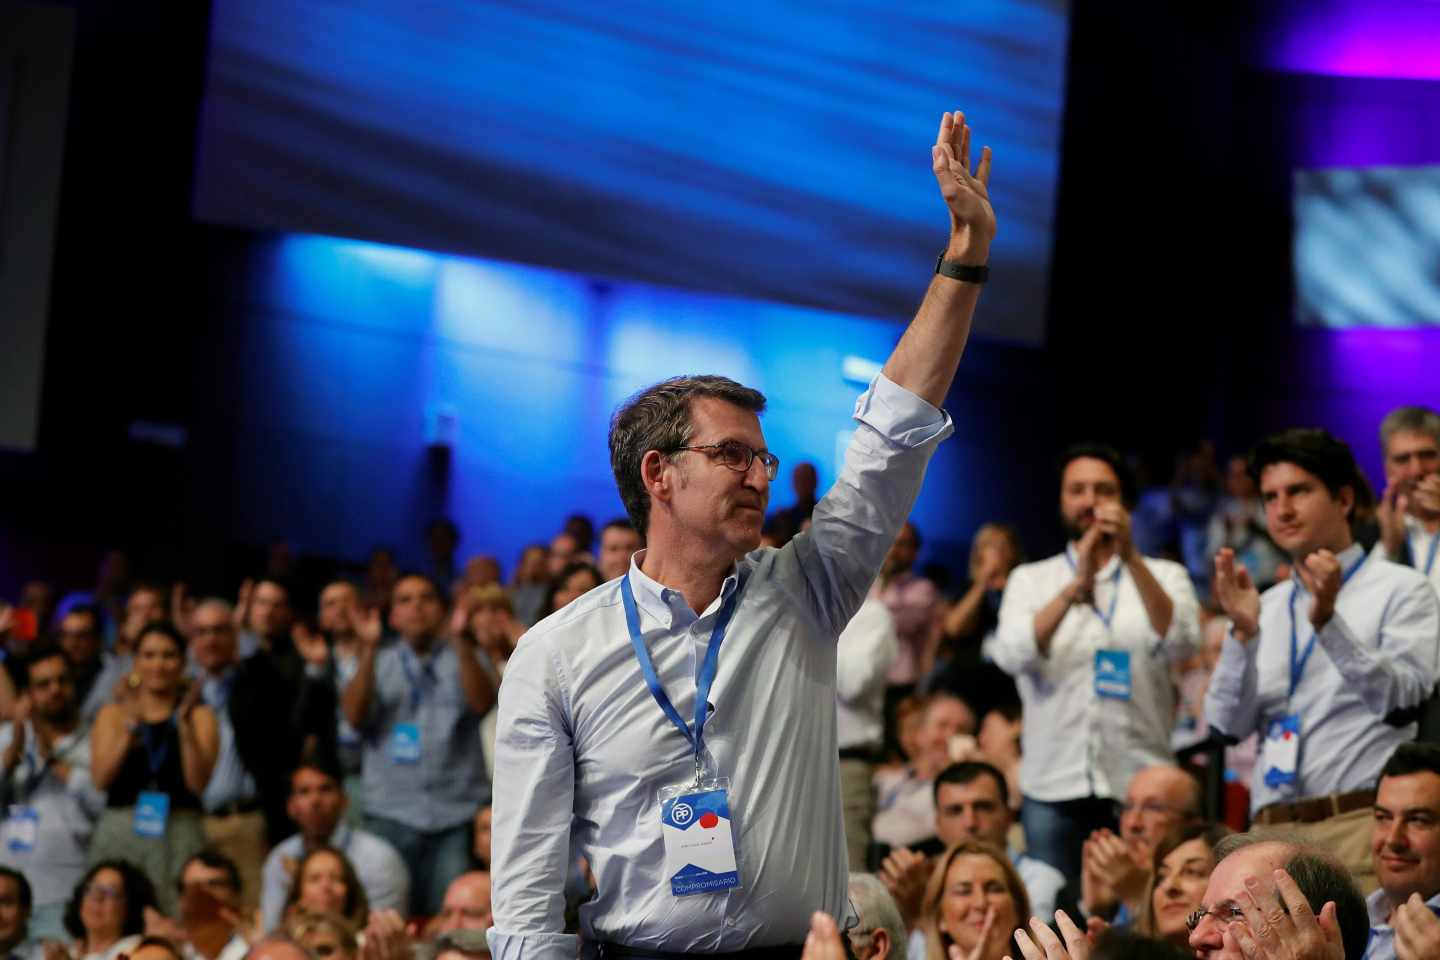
{"x": 99, "y": 891}
{"x": 738, "y": 456}
{"x": 1150, "y": 809}
{"x": 1224, "y": 915}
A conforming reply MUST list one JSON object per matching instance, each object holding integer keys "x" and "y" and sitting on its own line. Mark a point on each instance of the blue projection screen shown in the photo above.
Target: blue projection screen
{"x": 772, "y": 150}
{"x": 1367, "y": 247}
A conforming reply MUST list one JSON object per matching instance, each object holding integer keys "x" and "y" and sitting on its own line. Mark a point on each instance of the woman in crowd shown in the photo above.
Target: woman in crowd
{"x": 974, "y": 900}
{"x": 326, "y": 882}
{"x": 328, "y": 936}
{"x": 106, "y": 913}
{"x": 152, "y": 753}
{"x": 1181, "y": 868}
{"x": 576, "y": 579}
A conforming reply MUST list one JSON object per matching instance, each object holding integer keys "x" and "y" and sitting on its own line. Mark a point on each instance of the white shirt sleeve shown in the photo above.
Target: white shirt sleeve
{"x": 867, "y": 648}
{"x": 1232, "y": 703}
{"x": 535, "y": 762}
{"x": 1015, "y": 650}
{"x": 1183, "y": 638}
{"x": 1400, "y": 670}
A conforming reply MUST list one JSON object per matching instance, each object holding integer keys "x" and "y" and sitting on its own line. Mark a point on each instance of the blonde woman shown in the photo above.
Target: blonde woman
{"x": 974, "y": 900}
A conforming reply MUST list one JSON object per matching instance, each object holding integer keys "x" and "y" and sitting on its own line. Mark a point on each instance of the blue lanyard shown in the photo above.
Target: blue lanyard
{"x": 1107, "y": 617}
{"x": 702, "y": 683}
{"x": 1430, "y": 559}
{"x": 1297, "y": 667}
{"x": 416, "y": 681}
{"x": 156, "y": 757}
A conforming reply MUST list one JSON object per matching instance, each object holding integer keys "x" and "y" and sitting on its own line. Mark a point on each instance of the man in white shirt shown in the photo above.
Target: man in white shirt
{"x": 1318, "y": 663}
{"x": 1409, "y": 510}
{"x": 1405, "y": 843}
{"x": 867, "y": 647}
{"x": 724, "y": 832}
{"x": 1089, "y": 635}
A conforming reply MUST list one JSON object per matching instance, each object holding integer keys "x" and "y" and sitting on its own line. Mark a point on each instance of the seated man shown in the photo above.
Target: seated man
{"x": 467, "y": 904}
{"x": 1405, "y": 842}
{"x": 15, "y": 902}
{"x": 1116, "y": 870}
{"x": 209, "y": 927}
{"x": 878, "y": 933}
{"x": 1294, "y": 898}
{"x": 905, "y": 813}
{"x": 1328, "y": 722}
{"x": 972, "y": 802}
{"x": 317, "y": 805}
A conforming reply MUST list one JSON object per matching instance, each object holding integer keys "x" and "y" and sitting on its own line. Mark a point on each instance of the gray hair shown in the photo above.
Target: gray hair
{"x": 472, "y": 943}
{"x": 659, "y": 418}
{"x": 220, "y": 602}
{"x": 1409, "y": 420}
{"x": 876, "y": 910}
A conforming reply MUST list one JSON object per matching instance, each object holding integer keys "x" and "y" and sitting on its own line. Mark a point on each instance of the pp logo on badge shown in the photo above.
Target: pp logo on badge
{"x": 682, "y": 813}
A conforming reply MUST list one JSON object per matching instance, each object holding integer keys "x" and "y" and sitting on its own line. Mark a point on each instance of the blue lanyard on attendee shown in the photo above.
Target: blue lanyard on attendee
{"x": 1297, "y": 666}
{"x": 416, "y": 681}
{"x": 1430, "y": 558}
{"x": 702, "y": 683}
{"x": 156, "y": 756}
{"x": 1107, "y": 617}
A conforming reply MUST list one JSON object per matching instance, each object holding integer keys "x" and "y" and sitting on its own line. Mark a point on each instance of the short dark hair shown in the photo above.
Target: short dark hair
{"x": 659, "y": 418}
{"x": 166, "y": 629}
{"x": 321, "y": 761}
{"x": 619, "y": 523}
{"x": 1411, "y": 758}
{"x": 969, "y": 771}
{"x": 215, "y": 860}
{"x": 41, "y": 654}
{"x": 23, "y": 893}
{"x": 1321, "y": 878}
{"x": 1129, "y": 489}
{"x": 558, "y": 581}
{"x": 417, "y": 575}
{"x": 93, "y": 611}
{"x": 158, "y": 942}
{"x": 139, "y": 894}
{"x": 1316, "y": 452}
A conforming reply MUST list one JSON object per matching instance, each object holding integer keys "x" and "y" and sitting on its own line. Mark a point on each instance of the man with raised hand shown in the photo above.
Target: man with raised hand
{"x": 1320, "y": 662}
{"x": 703, "y": 789}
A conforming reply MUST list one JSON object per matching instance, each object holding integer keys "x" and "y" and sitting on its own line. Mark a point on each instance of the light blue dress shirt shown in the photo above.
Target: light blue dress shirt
{"x": 582, "y": 747}
{"x": 1382, "y": 935}
{"x": 1380, "y": 652}
{"x": 230, "y": 782}
{"x": 448, "y": 784}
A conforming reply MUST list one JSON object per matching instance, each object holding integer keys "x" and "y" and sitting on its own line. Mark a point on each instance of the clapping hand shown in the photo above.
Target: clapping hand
{"x": 366, "y": 627}
{"x": 1273, "y": 930}
{"x": 1417, "y": 930}
{"x": 310, "y": 644}
{"x": 1320, "y": 573}
{"x": 1046, "y": 946}
{"x": 1237, "y": 595}
{"x": 904, "y": 874}
{"x": 1111, "y": 861}
{"x": 1113, "y": 521}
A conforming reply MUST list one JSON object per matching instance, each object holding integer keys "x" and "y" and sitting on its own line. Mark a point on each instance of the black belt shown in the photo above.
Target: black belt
{"x": 863, "y": 754}
{"x": 615, "y": 951}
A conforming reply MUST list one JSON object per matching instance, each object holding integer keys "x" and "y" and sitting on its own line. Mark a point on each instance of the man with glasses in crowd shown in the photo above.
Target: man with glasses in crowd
{"x": 722, "y": 832}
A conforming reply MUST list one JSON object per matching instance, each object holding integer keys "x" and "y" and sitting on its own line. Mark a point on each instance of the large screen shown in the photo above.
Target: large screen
{"x": 1367, "y": 247}
{"x": 774, "y": 150}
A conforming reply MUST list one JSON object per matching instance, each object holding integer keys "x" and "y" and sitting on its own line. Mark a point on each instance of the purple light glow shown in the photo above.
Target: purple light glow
{"x": 1397, "y": 39}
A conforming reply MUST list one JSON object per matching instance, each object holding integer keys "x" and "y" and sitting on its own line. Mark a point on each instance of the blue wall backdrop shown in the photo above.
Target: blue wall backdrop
{"x": 772, "y": 150}
{"x": 350, "y": 359}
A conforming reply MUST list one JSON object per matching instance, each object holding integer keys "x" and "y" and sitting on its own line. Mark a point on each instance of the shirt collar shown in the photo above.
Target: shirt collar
{"x": 1378, "y": 903}
{"x": 340, "y": 836}
{"x": 1104, "y": 573}
{"x": 668, "y": 606}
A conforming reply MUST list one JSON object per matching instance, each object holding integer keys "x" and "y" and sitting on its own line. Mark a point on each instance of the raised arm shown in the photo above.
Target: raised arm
{"x": 355, "y": 701}
{"x": 928, "y": 354}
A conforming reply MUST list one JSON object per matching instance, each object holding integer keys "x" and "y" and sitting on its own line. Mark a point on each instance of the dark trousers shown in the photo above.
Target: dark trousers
{"x": 1056, "y": 832}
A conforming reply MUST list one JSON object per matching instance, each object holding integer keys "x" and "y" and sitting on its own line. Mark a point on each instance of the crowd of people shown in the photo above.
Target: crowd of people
{"x": 296, "y": 772}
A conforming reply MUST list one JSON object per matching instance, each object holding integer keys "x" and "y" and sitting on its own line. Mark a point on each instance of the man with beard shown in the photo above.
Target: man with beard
{"x": 1318, "y": 663}
{"x": 1089, "y": 635}
{"x": 45, "y": 789}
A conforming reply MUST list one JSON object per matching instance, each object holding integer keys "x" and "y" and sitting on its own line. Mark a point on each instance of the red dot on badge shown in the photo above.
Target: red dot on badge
{"x": 708, "y": 820}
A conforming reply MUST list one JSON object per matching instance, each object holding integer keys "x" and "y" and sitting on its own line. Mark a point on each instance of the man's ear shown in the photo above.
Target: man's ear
{"x": 880, "y": 945}
{"x": 654, "y": 476}
{"x": 1346, "y": 496}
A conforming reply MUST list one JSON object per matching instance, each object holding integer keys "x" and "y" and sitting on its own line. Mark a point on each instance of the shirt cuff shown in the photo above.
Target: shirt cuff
{"x": 900, "y": 416}
{"x": 532, "y": 946}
